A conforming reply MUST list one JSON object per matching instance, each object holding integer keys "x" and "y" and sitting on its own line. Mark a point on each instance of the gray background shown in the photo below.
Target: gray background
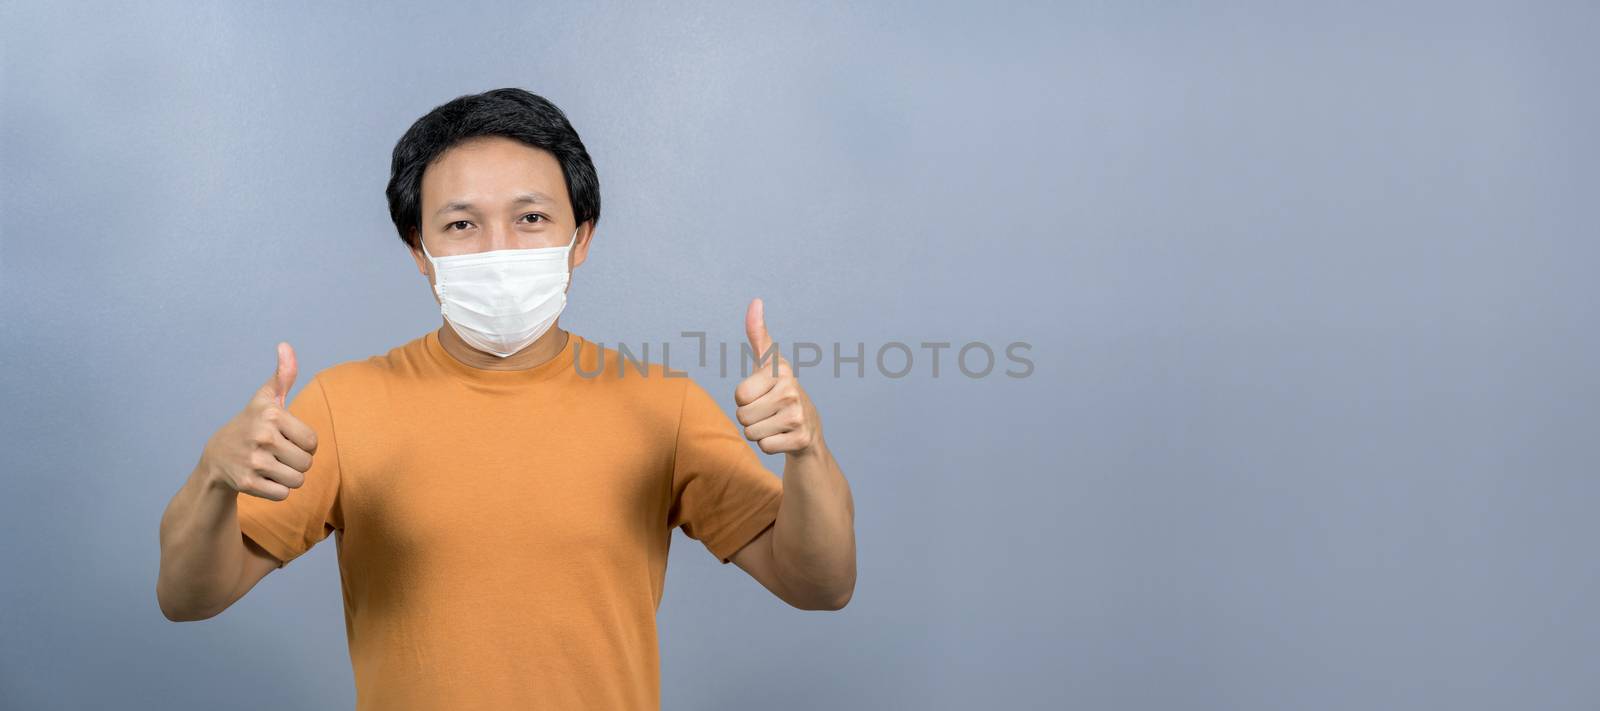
{"x": 1312, "y": 423}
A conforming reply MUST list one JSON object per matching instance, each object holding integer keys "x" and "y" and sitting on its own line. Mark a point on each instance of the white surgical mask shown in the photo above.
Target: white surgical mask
{"x": 502, "y": 300}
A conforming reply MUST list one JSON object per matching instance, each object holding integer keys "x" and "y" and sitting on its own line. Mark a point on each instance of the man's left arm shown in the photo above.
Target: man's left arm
{"x": 808, "y": 556}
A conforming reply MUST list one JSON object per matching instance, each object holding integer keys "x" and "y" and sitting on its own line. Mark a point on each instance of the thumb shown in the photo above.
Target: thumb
{"x": 283, "y": 377}
{"x": 755, "y": 327}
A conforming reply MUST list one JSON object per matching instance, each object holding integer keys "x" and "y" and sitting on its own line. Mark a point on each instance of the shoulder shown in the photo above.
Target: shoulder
{"x": 364, "y": 375}
{"x": 638, "y": 371}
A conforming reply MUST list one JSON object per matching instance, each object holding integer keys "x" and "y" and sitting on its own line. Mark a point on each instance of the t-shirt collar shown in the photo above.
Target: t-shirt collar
{"x": 561, "y": 363}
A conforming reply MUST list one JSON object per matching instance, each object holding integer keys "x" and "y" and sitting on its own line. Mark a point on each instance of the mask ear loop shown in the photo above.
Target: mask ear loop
{"x": 568, "y": 259}
{"x": 568, "y": 249}
{"x": 438, "y": 287}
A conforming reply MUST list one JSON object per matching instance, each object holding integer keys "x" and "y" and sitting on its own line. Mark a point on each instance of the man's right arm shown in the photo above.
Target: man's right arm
{"x": 207, "y": 563}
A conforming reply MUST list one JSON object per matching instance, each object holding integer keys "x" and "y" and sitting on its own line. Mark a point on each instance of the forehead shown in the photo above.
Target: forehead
{"x": 491, "y": 168}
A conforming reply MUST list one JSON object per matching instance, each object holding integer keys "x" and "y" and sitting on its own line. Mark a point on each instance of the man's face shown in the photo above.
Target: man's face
{"x": 495, "y": 193}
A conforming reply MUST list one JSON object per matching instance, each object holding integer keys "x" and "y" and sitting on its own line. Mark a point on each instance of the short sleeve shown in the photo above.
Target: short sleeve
{"x": 721, "y": 494}
{"x": 290, "y": 527}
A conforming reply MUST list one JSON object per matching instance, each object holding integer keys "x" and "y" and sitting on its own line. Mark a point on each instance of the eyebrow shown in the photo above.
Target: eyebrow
{"x": 529, "y": 197}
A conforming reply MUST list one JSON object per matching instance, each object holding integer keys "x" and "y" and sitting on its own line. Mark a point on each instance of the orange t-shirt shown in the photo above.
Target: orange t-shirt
{"x": 502, "y": 535}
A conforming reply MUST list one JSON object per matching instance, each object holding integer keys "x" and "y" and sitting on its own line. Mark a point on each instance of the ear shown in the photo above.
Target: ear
{"x": 418, "y": 257}
{"x": 580, "y": 250}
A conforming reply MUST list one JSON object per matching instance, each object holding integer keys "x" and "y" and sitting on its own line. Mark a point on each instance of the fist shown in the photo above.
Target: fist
{"x": 263, "y": 451}
{"x": 775, "y": 412}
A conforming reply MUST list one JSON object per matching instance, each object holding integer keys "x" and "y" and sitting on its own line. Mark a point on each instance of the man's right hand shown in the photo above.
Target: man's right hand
{"x": 263, "y": 451}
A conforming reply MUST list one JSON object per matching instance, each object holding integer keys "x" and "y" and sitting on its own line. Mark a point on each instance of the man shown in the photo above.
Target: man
{"x": 503, "y": 491}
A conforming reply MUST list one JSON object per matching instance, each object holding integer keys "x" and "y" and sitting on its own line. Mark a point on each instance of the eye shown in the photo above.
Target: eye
{"x": 457, "y": 222}
{"x": 535, "y": 214}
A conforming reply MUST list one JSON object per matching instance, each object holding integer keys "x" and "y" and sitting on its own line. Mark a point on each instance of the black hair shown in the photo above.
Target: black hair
{"x": 513, "y": 113}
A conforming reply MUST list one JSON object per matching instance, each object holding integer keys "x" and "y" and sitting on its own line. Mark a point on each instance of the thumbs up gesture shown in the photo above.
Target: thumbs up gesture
{"x": 774, "y": 410}
{"x": 263, "y": 451}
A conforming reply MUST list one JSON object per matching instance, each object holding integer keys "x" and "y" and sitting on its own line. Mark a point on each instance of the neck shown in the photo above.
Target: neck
{"x": 548, "y": 346}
